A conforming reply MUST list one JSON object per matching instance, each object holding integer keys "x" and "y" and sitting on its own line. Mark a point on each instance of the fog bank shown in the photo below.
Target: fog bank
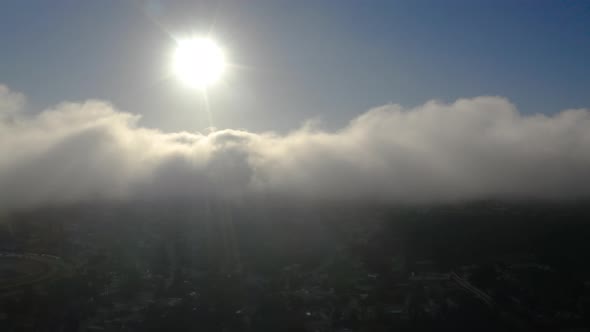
{"x": 474, "y": 148}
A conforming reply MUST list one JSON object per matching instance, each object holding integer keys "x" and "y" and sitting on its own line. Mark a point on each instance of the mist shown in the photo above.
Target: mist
{"x": 469, "y": 149}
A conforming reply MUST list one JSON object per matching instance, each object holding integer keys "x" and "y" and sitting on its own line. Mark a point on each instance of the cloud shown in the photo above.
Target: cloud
{"x": 10, "y": 103}
{"x": 470, "y": 149}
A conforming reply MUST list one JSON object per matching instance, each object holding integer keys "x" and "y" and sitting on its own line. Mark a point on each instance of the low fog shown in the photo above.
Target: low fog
{"x": 470, "y": 149}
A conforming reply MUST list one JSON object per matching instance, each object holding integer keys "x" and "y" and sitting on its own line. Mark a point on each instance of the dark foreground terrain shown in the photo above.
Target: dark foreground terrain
{"x": 216, "y": 266}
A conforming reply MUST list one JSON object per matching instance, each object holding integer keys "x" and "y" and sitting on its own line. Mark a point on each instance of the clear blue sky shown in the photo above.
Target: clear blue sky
{"x": 298, "y": 59}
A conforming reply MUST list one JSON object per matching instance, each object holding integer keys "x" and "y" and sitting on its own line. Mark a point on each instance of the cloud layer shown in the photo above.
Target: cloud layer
{"x": 474, "y": 148}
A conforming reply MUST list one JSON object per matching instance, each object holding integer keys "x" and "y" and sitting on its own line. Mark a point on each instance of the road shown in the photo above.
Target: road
{"x": 472, "y": 289}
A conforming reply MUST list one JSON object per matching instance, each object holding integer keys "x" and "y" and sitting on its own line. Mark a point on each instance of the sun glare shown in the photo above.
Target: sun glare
{"x": 198, "y": 62}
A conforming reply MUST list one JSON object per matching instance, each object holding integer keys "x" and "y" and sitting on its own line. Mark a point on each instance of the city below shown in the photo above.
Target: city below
{"x": 220, "y": 266}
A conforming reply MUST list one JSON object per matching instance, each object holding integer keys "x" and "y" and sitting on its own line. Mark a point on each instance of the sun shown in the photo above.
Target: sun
{"x": 198, "y": 62}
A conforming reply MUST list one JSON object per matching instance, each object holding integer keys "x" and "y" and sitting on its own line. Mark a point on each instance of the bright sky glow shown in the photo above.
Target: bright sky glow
{"x": 198, "y": 62}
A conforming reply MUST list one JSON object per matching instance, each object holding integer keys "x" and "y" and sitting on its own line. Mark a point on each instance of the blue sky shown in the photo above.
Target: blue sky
{"x": 298, "y": 59}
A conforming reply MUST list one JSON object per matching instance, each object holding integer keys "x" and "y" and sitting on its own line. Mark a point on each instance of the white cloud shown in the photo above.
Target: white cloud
{"x": 470, "y": 149}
